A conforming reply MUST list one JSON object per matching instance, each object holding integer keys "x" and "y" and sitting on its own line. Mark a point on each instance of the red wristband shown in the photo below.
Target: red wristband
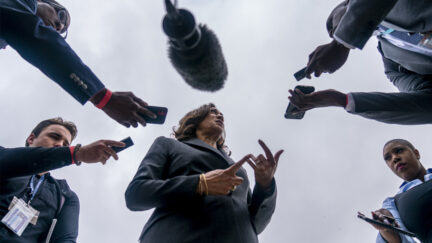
{"x": 72, "y": 150}
{"x": 105, "y": 99}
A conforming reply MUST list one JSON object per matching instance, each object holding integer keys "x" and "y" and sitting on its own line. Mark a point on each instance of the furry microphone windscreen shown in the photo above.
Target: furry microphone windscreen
{"x": 202, "y": 67}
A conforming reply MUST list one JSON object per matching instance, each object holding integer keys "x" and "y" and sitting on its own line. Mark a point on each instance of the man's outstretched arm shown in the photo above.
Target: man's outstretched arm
{"x": 44, "y": 48}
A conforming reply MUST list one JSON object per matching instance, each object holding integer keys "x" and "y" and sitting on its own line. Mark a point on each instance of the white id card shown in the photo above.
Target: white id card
{"x": 19, "y": 216}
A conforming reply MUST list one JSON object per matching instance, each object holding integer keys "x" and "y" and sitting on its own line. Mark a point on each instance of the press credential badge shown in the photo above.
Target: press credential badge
{"x": 19, "y": 216}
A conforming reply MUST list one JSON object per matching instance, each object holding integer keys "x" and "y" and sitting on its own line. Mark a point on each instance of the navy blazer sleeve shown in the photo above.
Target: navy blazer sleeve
{"x": 149, "y": 188}
{"x": 360, "y": 21}
{"x": 24, "y": 161}
{"x": 44, "y": 48}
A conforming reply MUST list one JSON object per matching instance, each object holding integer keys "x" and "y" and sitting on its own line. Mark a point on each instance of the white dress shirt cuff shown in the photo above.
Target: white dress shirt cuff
{"x": 347, "y": 45}
{"x": 350, "y": 105}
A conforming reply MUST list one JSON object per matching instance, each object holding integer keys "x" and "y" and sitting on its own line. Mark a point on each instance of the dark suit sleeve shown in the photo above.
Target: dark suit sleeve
{"x": 262, "y": 206}
{"x": 410, "y": 106}
{"x": 360, "y": 21}
{"x": 31, "y": 160}
{"x": 150, "y": 188}
{"x": 66, "y": 229}
{"x": 44, "y": 48}
{"x": 395, "y": 108}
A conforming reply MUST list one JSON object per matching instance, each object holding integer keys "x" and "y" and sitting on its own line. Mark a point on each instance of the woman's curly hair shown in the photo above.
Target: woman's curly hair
{"x": 189, "y": 123}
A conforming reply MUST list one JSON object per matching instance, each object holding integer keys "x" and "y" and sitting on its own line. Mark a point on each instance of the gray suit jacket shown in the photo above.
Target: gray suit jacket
{"x": 167, "y": 180}
{"x": 363, "y": 17}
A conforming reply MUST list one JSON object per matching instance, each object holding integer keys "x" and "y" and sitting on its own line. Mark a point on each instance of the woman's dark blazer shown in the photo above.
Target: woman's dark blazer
{"x": 167, "y": 179}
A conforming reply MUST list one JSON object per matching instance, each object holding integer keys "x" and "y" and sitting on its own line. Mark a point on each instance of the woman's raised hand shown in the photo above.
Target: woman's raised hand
{"x": 223, "y": 182}
{"x": 264, "y": 166}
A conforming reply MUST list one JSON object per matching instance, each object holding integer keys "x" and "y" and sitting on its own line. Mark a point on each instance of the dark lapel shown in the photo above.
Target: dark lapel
{"x": 198, "y": 143}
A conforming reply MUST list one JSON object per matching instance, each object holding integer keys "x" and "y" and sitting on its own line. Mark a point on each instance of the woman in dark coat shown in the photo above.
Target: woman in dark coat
{"x": 199, "y": 193}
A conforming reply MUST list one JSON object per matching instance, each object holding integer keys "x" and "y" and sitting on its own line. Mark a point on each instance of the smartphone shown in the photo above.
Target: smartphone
{"x": 160, "y": 112}
{"x": 128, "y": 142}
{"x": 388, "y": 226}
{"x": 300, "y": 74}
{"x": 292, "y": 112}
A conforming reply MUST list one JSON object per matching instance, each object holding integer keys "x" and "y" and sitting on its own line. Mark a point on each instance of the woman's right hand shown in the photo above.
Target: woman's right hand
{"x": 385, "y": 216}
{"x": 222, "y": 182}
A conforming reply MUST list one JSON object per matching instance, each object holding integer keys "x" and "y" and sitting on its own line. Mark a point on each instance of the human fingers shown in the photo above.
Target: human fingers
{"x": 293, "y": 95}
{"x": 141, "y": 106}
{"x": 310, "y": 68}
{"x": 251, "y": 163}
{"x": 111, "y": 152}
{"x": 140, "y": 119}
{"x": 377, "y": 215}
{"x": 311, "y": 57}
{"x": 146, "y": 112}
{"x": 133, "y": 123}
{"x": 139, "y": 100}
{"x": 104, "y": 160}
{"x": 235, "y": 167}
{"x": 295, "y": 100}
{"x": 125, "y": 124}
{"x": 237, "y": 181}
{"x": 299, "y": 92}
{"x": 386, "y": 216}
{"x": 262, "y": 161}
{"x": 113, "y": 143}
{"x": 266, "y": 149}
{"x": 277, "y": 155}
{"x": 390, "y": 219}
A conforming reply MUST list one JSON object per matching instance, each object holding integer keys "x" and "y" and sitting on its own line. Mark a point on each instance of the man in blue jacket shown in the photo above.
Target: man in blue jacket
{"x": 33, "y": 28}
{"x": 34, "y": 206}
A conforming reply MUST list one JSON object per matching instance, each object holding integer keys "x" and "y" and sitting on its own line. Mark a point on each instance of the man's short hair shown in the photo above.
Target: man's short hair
{"x": 70, "y": 126}
{"x": 400, "y": 141}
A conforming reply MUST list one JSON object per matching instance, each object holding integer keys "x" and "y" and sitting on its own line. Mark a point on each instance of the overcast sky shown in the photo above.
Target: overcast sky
{"x": 332, "y": 166}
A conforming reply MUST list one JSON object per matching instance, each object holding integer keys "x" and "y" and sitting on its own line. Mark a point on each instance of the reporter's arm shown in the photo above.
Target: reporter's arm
{"x": 44, "y": 48}
{"x": 360, "y": 21}
{"x": 323, "y": 98}
{"x": 32, "y": 160}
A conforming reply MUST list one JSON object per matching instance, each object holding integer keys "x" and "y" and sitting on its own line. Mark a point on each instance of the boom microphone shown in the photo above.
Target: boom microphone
{"x": 194, "y": 50}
